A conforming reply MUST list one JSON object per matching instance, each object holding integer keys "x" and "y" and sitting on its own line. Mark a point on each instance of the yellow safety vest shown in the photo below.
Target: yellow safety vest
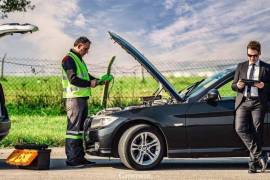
{"x": 71, "y": 91}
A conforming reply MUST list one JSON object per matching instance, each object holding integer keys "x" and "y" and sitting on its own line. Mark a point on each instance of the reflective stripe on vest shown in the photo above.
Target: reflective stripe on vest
{"x": 71, "y": 91}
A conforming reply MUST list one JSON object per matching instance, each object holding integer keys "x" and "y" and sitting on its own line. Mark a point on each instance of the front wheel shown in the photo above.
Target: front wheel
{"x": 141, "y": 147}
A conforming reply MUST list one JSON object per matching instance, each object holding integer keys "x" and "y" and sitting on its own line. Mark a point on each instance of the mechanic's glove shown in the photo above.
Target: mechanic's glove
{"x": 104, "y": 78}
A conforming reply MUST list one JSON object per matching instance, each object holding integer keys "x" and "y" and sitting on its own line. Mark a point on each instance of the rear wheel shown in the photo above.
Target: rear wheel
{"x": 141, "y": 147}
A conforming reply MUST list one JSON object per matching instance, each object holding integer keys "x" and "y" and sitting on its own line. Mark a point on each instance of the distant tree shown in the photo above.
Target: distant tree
{"x": 8, "y": 6}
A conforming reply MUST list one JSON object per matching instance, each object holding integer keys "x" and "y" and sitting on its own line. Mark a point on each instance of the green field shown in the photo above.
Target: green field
{"x": 37, "y": 112}
{"x": 28, "y": 95}
{"x": 36, "y": 129}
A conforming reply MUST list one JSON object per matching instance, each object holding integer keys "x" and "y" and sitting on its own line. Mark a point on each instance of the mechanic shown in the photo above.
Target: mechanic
{"x": 251, "y": 104}
{"x": 77, "y": 84}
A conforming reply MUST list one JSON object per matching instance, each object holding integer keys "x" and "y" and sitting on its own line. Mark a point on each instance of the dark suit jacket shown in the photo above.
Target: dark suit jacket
{"x": 264, "y": 76}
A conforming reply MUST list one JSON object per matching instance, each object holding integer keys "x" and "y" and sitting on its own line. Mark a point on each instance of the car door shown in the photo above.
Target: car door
{"x": 210, "y": 125}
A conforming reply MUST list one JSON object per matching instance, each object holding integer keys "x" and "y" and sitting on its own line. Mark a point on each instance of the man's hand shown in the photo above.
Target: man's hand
{"x": 93, "y": 83}
{"x": 259, "y": 85}
{"x": 240, "y": 84}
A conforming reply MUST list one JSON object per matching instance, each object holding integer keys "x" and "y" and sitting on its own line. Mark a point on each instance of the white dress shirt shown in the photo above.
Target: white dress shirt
{"x": 253, "y": 90}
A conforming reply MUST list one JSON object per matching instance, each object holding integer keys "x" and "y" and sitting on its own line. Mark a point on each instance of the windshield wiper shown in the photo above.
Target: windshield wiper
{"x": 190, "y": 88}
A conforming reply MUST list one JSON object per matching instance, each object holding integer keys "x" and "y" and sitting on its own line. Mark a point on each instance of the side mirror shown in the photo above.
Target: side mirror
{"x": 212, "y": 95}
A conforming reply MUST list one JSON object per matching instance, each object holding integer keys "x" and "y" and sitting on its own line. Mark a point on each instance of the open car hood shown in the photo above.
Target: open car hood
{"x": 11, "y": 28}
{"x": 147, "y": 65}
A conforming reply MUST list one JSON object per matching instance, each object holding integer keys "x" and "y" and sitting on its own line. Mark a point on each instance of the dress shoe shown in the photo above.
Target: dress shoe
{"x": 263, "y": 162}
{"x": 253, "y": 166}
{"x": 251, "y": 171}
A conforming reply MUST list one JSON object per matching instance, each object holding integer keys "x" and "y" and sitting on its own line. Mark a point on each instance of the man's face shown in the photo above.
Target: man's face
{"x": 253, "y": 56}
{"x": 83, "y": 49}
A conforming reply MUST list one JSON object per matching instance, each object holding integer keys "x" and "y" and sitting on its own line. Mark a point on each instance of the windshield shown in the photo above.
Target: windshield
{"x": 187, "y": 91}
{"x": 200, "y": 86}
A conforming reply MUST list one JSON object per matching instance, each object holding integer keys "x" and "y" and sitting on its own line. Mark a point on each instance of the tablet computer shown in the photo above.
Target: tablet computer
{"x": 250, "y": 82}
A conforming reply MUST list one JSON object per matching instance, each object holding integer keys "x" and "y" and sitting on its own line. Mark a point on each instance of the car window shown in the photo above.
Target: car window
{"x": 209, "y": 82}
{"x": 226, "y": 91}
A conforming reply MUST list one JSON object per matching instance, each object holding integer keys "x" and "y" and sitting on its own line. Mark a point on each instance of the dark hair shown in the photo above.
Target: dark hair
{"x": 255, "y": 45}
{"x": 82, "y": 40}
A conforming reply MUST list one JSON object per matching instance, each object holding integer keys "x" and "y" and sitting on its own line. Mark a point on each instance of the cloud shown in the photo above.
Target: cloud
{"x": 80, "y": 21}
{"x": 51, "y": 41}
{"x": 169, "y": 4}
{"x": 220, "y": 30}
{"x": 186, "y": 30}
{"x": 166, "y": 37}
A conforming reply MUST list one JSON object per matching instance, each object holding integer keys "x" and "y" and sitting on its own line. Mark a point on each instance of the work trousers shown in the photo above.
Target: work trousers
{"x": 77, "y": 111}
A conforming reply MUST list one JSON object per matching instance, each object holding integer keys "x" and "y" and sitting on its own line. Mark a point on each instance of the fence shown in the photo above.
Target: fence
{"x": 37, "y": 82}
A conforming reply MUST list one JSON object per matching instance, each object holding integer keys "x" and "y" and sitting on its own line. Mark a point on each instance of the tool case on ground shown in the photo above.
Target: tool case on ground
{"x": 30, "y": 156}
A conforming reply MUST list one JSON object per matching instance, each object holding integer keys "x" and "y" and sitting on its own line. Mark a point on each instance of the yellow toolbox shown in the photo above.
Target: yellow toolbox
{"x": 30, "y": 156}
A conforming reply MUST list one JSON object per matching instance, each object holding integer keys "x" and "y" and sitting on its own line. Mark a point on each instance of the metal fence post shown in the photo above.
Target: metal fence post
{"x": 143, "y": 79}
{"x": 2, "y": 66}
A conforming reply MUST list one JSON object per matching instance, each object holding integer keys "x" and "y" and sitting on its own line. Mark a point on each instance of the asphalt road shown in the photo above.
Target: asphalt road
{"x": 202, "y": 169}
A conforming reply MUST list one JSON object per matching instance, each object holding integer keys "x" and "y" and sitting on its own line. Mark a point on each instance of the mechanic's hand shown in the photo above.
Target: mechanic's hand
{"x": 93, "y": 83}
{"x": 240, "y": 84}
{"x": 259, "y": 85}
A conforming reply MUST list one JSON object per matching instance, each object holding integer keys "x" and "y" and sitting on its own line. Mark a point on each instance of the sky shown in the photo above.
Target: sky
{"x": 163, "y": 30}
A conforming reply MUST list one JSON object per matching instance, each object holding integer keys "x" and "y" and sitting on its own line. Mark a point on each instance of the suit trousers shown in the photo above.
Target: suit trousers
{"x": 249, "y": 122}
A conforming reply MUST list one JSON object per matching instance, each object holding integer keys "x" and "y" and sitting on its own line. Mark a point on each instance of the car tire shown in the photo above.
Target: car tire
{"x": 141, "y": 147}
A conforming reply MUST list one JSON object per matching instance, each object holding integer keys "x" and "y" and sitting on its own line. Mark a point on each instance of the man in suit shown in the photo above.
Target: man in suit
{"x": 251, "y": 104}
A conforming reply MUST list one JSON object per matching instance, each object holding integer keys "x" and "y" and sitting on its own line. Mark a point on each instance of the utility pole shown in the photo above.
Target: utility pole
{"x": 2, "y": 66}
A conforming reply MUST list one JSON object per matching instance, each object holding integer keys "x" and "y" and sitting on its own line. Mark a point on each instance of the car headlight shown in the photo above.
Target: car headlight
{"x": 102, "y": 121}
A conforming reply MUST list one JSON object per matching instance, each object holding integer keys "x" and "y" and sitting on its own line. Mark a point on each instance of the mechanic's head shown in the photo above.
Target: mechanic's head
{"x": 253, "y": 51}
{"x": 82, "y": 45}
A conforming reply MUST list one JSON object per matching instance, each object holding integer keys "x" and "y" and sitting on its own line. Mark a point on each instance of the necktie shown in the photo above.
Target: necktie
{"x": 251, "y": 74}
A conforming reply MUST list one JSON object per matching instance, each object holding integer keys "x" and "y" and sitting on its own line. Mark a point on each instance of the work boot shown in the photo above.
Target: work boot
{"x": 75, "y": 164}
{"x": 87, "y": 162}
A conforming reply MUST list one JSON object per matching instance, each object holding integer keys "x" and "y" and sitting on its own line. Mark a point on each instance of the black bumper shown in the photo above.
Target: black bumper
{"x": 99, "y": 142}
{"x": 4, "y": 129}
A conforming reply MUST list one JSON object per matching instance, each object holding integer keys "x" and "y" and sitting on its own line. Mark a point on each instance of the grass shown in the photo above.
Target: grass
{"x": 43, "y": 95}
{"x": 36, "y": 129}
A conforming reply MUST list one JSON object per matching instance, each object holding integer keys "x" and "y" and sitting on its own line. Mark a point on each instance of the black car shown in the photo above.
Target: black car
{"x": 195, "y": 122}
